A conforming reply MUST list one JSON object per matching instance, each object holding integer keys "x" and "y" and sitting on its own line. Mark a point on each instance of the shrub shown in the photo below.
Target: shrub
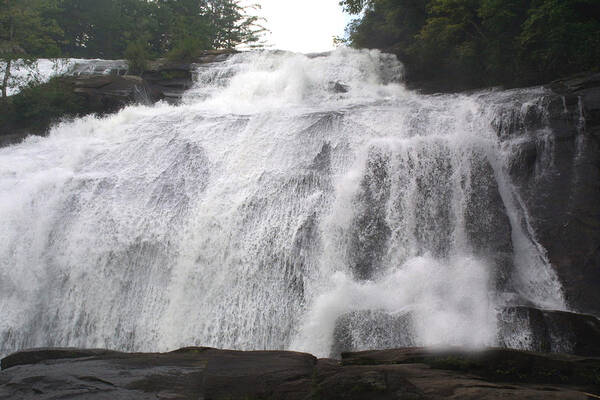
{"x": 137, "y": 56}
{"x": 187, "y": 49}
{"x": 37, "y": 106}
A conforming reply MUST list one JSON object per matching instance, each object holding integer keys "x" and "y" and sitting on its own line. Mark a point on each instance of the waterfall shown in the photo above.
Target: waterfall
{"x": 286, "y": 193}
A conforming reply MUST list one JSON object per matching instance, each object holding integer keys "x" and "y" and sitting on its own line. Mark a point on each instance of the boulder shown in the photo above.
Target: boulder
{"x": 189, "y": 373}
{"x": 34, "y": 356}
{"x": 519, "y": 327}
{"x": 493, "y": 364}
{"x": 371, "y": 329}
{"x": 549, "y": 331}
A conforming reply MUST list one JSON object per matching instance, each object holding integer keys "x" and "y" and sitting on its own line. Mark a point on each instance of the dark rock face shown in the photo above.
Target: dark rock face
{"x": 499, "y": 365}
{"x": 486, "y": 221}
{"x": 109, "y": 93}
{"x": 338, "y": 87}
{"x": 518, "y": 327}
{"x": 169, "y": 80}
{"x": 371, "y": 329}
{"x": 558, "y": 173}
{"x": 162, "y": 80}
{"x": 550, "y": 331}
{"x": 362, "y": 382}
{"x": 189, "y": 373}
{"x": 204, "y": 373}
{"x": 28, "y": 357}
{"x": 370, "y": 231}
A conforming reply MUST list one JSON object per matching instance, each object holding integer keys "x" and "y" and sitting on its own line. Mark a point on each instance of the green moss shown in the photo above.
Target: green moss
{"x": 460, "y": 44}
{"x": 137, "y": 56}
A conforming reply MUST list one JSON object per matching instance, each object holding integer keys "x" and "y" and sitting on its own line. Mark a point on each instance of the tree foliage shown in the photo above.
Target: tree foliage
{"x": 105, "y": 28}
{"x": 469, "y": 43}
{"x": 27, "y": 31}
{"x": 115, "y": 29}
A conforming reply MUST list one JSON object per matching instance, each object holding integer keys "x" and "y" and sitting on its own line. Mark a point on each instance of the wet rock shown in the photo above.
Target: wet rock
{"x": 162, "y": 80}
{"x": 34, "y": 356}
{"x": 557, "y": 171}
{"x": 167, "y": 80}
{"x": 204, "y": 373}
{"x": 370, "y": 231}
{"x": 549, "y": 331}
{"x": 368, "y": 329}
{"x": 523, "y": 328}
{"x": 496, "y": 365}
{"x": 359, "y": 382}
{"x": 189, "y": 373}
{"x": 283, "y": 375}
{"x": 576, "y": 83}
{"x": 486, "y": 221}
{"x": 338, "y": 87}
{"x": 109, "y": 93}
{"x": 519, "y": 327}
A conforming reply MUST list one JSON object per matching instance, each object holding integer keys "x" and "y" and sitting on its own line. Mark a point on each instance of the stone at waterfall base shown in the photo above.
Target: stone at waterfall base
{"x": 205, "y": 373}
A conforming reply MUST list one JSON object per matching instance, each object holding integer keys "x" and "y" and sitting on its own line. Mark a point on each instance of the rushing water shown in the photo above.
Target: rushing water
{"x": 284, "y": 193}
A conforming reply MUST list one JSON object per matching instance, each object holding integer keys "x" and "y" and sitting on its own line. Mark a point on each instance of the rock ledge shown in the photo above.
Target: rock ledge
{"x": 206, "y": 373}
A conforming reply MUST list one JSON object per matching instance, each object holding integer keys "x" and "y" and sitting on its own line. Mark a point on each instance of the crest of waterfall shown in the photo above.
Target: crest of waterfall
{"x": 286, "y": 193}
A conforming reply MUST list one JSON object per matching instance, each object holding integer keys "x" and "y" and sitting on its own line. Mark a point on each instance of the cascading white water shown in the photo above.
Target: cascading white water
{"x": 284, "y": 192}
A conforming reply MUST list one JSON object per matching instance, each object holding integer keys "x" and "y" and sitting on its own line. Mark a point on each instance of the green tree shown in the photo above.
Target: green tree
{"x": 471, "y": 43}
{"x": 230, "y": 25}
{"x": 27, "y": 32}
{"x": 192, "y": 26}
{"x": 453, "y": 37}
{"x": 354, "y": 6}
{"x": 561, "y": 36}
{"x": 137, "y": 56}
{"x": 111, "y": 29}
{"x": 186, "y": 27}
{"x": 104, "y": 28}
{"x": 502, "y": 21}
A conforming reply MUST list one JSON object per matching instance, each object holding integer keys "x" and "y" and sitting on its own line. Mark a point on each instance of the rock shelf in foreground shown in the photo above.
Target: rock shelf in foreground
{"x": 206, "y": 373}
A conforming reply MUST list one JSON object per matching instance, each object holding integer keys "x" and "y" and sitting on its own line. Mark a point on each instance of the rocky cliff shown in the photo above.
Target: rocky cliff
{"x": 556, "y": 165}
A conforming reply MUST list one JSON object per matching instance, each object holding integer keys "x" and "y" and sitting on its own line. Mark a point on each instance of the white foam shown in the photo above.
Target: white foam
{"x": 448, "y": 301}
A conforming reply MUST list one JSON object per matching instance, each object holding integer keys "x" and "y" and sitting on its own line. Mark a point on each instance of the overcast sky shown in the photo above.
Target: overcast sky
{"x": 303, "y": 26}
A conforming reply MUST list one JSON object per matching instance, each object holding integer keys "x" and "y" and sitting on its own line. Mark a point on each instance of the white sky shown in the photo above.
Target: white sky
{"x": 303, "y": 26}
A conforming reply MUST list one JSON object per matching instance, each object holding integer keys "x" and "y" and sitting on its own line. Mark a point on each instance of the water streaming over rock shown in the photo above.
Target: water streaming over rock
{"x": 42, "y": 70}
{"x": 286, "y": 194}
